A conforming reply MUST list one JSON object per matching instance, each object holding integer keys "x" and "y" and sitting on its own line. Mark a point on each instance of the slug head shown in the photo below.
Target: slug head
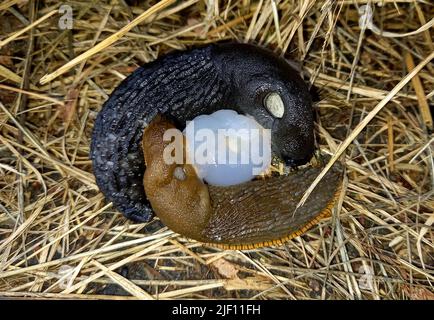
{"x": 178, "y": 197}
{"x": 270, "y": 90}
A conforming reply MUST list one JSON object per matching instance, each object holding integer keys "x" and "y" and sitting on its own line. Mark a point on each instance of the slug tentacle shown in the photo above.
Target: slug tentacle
{"x": 184, "y": 85}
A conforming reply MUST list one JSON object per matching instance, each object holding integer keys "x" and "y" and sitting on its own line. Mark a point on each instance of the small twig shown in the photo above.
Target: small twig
{"x": 420, "y": 93}
{"x": 390, "y": 143}
{"x": 344, "y": 145}
{"x": 107, "y": 42}
{"x": 27, "y": 28}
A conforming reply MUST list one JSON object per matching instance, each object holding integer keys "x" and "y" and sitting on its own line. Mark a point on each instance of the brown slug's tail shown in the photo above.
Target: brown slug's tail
{"x": 260, "y": 214}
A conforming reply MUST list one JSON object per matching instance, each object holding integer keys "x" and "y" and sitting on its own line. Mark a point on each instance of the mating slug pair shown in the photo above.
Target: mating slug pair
{"x": 181, "y": 86}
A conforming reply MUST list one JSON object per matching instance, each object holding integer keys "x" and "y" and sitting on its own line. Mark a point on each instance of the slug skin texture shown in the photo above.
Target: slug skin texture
{"x": 244, "y": 216}
{"x": 183, "y": 85}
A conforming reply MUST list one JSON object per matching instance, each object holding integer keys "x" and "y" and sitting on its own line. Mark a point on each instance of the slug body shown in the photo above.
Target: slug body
{"x": 252, "y": 214}
{"x": 184, "y": 85}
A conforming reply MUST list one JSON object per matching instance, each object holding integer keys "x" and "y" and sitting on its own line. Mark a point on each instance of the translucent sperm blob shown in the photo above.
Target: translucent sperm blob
{"x": 227, "y": 148}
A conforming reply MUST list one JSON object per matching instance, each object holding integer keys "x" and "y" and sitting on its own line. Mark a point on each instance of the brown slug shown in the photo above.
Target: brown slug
{"x": 244, "y": 216}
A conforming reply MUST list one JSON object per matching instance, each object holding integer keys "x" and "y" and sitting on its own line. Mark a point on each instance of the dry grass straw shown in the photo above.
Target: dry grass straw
{"x": 58, "y": 237}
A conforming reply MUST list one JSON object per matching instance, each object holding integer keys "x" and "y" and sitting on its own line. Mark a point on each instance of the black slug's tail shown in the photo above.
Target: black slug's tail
{"x": 116, "y": 156}
{"x": 182, "y": 85}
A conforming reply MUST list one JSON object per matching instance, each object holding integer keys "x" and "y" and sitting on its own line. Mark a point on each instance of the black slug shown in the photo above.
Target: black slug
{"x": 183, "y": 85}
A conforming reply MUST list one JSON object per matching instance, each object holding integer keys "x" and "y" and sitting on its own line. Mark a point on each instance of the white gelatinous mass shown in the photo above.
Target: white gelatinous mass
{"x": 227, "y": 148}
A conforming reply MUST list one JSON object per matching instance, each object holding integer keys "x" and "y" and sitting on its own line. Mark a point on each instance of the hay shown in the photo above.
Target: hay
{"x": 60, "y": 239}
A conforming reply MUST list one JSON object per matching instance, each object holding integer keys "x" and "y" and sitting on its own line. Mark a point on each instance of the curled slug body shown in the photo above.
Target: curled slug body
{"x": 183, "y": 85}
{"x": 248, "y": 215}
